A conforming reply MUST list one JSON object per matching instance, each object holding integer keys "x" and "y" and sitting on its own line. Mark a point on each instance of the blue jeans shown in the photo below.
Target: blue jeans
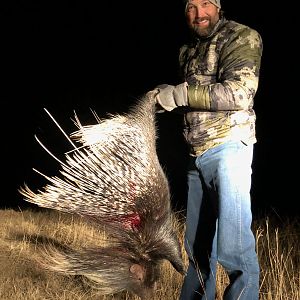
{"x": 218, "y": 227}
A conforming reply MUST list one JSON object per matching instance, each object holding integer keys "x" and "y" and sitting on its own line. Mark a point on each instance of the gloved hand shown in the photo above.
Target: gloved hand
{"x": 170, "y": 96}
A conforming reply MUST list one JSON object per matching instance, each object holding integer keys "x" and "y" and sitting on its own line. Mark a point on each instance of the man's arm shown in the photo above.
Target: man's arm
{"x": 239, "y": 74}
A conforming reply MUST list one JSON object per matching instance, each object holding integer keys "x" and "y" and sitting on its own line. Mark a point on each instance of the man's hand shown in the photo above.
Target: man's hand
{"x": 170, "y": 96}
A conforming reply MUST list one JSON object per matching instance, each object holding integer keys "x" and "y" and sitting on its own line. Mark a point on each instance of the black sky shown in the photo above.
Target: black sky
{"x": 77, "y": 55}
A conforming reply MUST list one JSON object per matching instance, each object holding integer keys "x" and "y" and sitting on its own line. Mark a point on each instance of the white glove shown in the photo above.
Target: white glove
{"x": 170, "y": 96}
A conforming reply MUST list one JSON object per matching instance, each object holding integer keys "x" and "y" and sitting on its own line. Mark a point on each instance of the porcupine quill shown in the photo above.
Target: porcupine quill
{"x": 114, "y": 177}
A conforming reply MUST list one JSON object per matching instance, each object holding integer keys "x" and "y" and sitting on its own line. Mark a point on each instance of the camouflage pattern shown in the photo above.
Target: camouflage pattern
{"x": 223, "y": 74}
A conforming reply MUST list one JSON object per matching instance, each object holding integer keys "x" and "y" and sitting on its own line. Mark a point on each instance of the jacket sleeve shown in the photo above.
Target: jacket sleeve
{"x": 237, "y": 82}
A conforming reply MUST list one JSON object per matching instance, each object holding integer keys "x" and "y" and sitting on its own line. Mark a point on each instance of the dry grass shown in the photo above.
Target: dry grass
{"x": 21, "y": 232}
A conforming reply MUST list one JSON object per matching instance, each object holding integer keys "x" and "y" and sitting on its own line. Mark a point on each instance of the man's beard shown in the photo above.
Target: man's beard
{"x": 204, "y": 32}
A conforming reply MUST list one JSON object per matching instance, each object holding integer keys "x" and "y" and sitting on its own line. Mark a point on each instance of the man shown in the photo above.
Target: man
{"x": 220, "y": 69}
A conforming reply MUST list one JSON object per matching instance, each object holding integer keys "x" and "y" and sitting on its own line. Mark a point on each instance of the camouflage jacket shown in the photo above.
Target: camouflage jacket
{"x": 222, "y": 72}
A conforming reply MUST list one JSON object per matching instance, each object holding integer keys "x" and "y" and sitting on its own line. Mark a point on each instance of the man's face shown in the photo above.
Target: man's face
{"x": 202, "y": 16}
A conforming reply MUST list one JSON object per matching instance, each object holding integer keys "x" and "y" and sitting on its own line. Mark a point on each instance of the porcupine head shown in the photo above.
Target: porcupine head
{"x": 114, "y": 178}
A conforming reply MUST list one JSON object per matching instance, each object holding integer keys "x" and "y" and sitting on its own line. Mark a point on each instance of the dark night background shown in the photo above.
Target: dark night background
{"x": 82, "y": 55}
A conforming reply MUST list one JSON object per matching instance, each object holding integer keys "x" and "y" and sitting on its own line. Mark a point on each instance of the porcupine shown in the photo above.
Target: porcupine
{"x": 115, "y": 178}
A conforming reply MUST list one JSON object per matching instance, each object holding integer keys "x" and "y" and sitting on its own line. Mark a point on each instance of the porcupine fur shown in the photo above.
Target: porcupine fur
{"x": 114, "y": 178}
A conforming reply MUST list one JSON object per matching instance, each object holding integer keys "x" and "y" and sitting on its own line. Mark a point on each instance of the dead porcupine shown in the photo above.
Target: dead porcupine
{"x": 114, "y": 178}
